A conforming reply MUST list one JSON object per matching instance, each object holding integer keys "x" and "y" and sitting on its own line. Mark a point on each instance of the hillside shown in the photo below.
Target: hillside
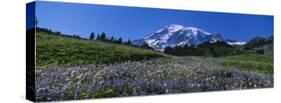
{"x": 257, "y": 63}
{"x": 217, "y": 49}
{"x": 70, "y": 67}
{"x": 58, "y": 50}
{"x": 259, "y": 42}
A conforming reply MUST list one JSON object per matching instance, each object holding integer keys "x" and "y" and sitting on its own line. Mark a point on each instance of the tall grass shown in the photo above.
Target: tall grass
{"x": 257, "y": 63}
{"x": 55, "y": 50}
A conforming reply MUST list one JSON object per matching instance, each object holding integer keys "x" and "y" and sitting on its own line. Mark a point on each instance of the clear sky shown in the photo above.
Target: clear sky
{"x": 133, "y": 23}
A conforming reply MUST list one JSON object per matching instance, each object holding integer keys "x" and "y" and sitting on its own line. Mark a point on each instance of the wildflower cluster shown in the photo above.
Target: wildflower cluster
{"x": 159, "y": 76}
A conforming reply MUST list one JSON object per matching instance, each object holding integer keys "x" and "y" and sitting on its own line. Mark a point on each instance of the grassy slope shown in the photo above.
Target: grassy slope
{"x": 148, "y": 77}
{"x": 250, "y": 62}
{"x": 53, "y": 50}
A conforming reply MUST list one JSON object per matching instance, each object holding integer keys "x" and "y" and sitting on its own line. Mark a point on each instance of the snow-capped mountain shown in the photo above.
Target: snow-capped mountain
{"x": 176, "y": 35}
{"x": 235, "y": 43}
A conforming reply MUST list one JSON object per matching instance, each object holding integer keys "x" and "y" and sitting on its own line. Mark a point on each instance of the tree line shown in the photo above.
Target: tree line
{"x": 100, "y": 36}
{"x": 217, "y": 49}
{"x": 103, "y": 37}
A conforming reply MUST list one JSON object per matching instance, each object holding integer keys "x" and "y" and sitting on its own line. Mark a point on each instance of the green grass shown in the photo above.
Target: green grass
{"x": 55, "y": 50}
{"x": 257, "y": 63}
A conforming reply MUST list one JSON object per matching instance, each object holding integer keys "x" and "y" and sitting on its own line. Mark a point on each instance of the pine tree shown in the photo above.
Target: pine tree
{"x": 146, "y": 46}
{"x": 76, "y": 36}
{"x": 112, "y": 39}
{"x": 120, "y": 40}
{"x": 98, "y": 37}
{"x": 103, "y": 36}
{"x": 92, "y": 36}
{"x": 129, "y": 42}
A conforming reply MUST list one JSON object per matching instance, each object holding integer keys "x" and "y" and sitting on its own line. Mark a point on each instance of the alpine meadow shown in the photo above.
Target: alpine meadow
{"x": 99, "y": 51}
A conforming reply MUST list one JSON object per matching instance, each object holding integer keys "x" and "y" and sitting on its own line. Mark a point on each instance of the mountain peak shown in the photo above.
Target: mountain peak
{"x": 175, "y": 34}
{"x": 171, "y": 28}
{"x": 175, "y": 26}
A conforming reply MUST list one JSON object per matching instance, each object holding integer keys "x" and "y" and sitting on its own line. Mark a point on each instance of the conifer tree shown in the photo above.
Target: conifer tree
{"x": 103, "y": 36}
{"x": 120, "y": 40}
{"x": 112, "y": 39}
{"x": 98, "y": 37}
{"x": 129, "y": 42}
{"x": 92, "y": 36}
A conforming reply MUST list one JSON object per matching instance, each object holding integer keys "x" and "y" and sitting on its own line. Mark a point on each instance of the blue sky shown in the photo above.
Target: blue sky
{"x": 134, "y": 23}
{"x": 30, "y": 15}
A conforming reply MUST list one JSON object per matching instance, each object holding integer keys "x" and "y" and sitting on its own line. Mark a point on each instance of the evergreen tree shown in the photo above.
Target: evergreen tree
{"x": 168, "y": 50}
{"x": 98, "y": 37}
{"x": 129, "y": 42}
{"x": 112, "y": 39}
{"x": 103, "y": 36}
{"x": 120, "y": 40}
{"x": 146, "y": 46}
{"x": 76, "y": 36}
{"x": 92, "y": 36}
